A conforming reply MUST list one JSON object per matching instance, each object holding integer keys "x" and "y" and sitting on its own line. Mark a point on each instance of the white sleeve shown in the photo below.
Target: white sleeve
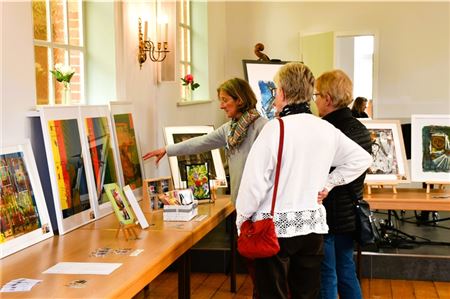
{"x": 258, "y": 173}
{"x": 350, "y": 160}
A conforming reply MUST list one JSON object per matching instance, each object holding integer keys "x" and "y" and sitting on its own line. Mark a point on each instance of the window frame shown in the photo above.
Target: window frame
{"x": 185, "y": 42}
{"x": 66, "y": 46}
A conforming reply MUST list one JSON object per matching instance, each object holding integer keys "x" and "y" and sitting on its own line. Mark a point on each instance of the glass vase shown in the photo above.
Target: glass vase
{"x": 187, "y": 94}
{"x": 65, "y": 99}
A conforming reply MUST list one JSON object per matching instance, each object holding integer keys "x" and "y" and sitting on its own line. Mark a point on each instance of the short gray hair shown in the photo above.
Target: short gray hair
{"x": 297, "y": 82}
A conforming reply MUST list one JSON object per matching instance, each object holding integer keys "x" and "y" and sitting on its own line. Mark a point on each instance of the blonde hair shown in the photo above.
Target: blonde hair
{"x": 338, "y": 86}
{"x": 297, "y": 82}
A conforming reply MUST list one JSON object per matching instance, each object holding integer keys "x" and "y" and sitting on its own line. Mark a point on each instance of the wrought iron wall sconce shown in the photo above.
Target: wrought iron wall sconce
{"x": 157, "y": 52}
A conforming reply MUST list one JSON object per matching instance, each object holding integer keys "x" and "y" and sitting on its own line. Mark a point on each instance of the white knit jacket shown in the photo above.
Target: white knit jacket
{"x": 311, "y": 147}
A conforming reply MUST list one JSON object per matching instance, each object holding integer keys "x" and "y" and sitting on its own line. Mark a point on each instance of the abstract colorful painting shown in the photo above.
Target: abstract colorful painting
{"x": 120, "y": 204}
{"x": 69, "y": 166}
{"x": 388, "y": 152}
{"x": 23, "y": 214}
{"x": 430, "y": 148}
{"x": 18, "y": 212}
{"x": 102, "y": 156}
{"x": 128, "y": 150}
{"x": 198, "y": 180}
{"x": 178, "y": 164}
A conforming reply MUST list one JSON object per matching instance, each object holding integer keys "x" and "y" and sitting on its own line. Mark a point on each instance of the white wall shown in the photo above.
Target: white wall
{"x": 18, "y": 88}
{"x": 414, "y": 50}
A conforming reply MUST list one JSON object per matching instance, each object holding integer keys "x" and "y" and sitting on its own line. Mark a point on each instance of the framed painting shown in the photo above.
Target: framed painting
{"x": 24, "y": 219}
{"x": 430, "y": 148}
{"x": 198, "y": 180}
{"x": 101, "y": 153}
{"x": 61, "y": 127}
{"x": 259, "y": 74}
{"x": 388, "y": 152}
{"x": 178, "y": 164}
{"x": 120, "y": 204}
{"x": 129, "y": 154}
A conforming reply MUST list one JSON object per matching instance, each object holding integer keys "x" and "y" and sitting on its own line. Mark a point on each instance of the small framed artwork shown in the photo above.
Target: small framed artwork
{"x": 120, "y": 204}
{"x": 61, "y": 127}
{"x": 101, "y": 153}
{"x": 430, "y": 148}
{"x": 198, "y": 180}
{"x": 136, "y": 208}
{"x": 129, "y": 153}
{"x": 178, "y": 164}
{"x": 24, "y": 219}
{"x": 259, "y": 74}
{"x": 388, "y": 152}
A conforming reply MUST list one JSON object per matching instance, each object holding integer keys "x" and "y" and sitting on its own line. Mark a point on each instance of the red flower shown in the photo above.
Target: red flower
{"x": 189, "y": 78}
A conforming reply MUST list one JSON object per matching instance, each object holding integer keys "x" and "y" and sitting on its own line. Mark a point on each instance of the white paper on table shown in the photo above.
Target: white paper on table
{"x": 83, "y": 268}
{"x": 20, "y": 285}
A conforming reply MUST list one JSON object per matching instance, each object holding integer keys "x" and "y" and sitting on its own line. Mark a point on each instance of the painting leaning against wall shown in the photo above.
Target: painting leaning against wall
{"x": 128, "y": 151}
{"x": 18, "y": 211}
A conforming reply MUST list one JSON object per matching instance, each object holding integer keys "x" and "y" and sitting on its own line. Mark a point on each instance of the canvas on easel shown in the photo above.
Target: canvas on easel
{"x": 178, "y": 164}
{"x": 389, "y": 165}
{"x": 61, "y": 127}
{"x": 120, "y": 204}
{"x": 24, "y": 219}
{"x": 129, "y": 155}
{"x": 430, "y": 148}
{"x": 101, "y": 153}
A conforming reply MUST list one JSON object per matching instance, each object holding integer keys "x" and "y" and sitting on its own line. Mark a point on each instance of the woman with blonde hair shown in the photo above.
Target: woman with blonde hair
{"x": 333, "y": 95}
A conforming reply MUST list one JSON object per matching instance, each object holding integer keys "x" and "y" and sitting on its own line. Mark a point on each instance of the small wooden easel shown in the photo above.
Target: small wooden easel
{"x": 128, "y": 230}
{"x": 381, "y": 185}
{"x": 440, "y": 184}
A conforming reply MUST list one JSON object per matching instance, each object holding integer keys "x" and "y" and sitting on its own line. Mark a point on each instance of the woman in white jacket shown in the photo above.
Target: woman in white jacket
{"x": 311, "y": 147}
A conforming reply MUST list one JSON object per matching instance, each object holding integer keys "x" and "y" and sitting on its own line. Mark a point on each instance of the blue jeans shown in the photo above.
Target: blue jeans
{"x": 338, "y": 273}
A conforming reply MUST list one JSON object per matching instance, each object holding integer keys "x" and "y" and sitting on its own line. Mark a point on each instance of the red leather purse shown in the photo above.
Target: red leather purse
{"x": 258, "y": 239}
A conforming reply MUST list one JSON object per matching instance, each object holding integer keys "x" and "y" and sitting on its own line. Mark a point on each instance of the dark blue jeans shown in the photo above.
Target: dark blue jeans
{"x": 338, "y": 273}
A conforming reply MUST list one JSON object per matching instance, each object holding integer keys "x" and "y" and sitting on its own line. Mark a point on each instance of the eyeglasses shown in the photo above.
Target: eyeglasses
{"x": 315, "y": 95}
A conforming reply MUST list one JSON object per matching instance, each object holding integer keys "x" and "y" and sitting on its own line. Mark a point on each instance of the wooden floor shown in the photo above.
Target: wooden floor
{"x": 217, "y": 286}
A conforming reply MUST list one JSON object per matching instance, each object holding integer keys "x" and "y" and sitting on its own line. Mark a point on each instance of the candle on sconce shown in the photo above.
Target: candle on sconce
{"x": 145, "y": 30}
{"x": 166, "y": 32}
{"x": 163, "y": 28}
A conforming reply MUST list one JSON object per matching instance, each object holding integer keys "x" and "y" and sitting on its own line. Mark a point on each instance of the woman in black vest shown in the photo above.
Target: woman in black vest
{"x": 333, "y": 95}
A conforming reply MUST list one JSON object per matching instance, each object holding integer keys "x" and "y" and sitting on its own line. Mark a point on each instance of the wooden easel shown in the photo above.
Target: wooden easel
{"x": 381, "y": 185}
{"x": 128, "y": 230}
{"x": 440, "y": 184}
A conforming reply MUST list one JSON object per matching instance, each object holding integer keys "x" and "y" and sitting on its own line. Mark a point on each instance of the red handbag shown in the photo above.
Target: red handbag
{"x": 258, "y": 239}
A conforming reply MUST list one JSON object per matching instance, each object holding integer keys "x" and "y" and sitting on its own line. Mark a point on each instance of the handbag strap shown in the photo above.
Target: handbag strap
{"x": 277, "y": 173}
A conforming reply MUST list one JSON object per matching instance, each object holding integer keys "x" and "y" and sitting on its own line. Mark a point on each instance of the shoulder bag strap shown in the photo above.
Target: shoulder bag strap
{"x": 277, "y": 173}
